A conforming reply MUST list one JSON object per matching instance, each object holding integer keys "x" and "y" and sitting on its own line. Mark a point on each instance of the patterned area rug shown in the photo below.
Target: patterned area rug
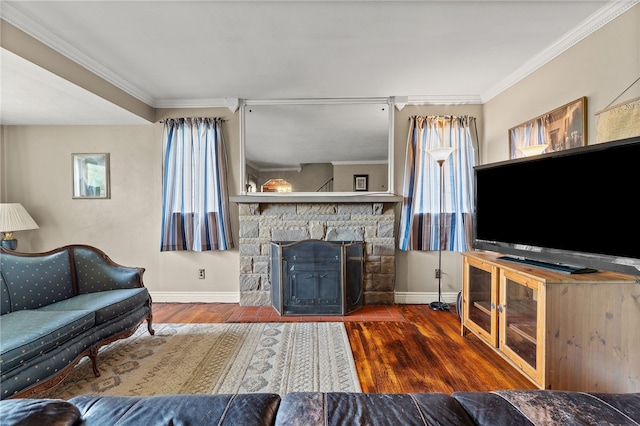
{"x": 219, "y": 358}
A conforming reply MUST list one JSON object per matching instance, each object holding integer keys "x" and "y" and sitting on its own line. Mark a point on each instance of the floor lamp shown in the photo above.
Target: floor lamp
{"x": 440, "y": 155}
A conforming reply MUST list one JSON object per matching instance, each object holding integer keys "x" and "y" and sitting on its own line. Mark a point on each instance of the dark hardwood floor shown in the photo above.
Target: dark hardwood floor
{"x": 423, "y": 353}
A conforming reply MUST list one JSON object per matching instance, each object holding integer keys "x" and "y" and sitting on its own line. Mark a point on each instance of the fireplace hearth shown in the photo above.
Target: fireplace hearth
{"x": 315, "y": 277}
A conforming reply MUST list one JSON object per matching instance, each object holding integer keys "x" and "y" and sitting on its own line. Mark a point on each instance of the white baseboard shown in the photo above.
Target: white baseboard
{"x": 419, "y": 298}
{"x": 194, "y": 297}
{"x": 413, "y": 298}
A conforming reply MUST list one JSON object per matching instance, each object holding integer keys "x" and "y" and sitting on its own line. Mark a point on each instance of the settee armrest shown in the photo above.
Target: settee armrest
{"x": 95, "y": 271}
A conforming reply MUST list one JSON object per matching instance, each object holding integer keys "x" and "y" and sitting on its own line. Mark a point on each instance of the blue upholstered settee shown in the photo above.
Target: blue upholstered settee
{"x": 60, "y": 306}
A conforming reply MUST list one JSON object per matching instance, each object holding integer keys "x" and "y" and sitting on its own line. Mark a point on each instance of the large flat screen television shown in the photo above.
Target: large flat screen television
{"x": 575, "y": 210}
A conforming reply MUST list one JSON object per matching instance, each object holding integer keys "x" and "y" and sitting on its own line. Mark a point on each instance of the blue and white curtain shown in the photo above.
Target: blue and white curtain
{"x": 420, "y": 217}
{"x": 195, "y": 202}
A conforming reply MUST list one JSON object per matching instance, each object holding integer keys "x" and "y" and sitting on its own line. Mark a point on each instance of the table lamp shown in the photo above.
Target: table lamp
{"x": 14, "y": 217}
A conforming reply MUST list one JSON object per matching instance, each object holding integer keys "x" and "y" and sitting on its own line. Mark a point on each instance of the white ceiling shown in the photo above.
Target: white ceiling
{"x": 198, "y": 53}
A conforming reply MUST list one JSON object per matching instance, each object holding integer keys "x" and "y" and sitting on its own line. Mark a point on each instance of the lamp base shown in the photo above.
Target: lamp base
{"x": 9, "y": 244}
{"x": 439, "y": 306}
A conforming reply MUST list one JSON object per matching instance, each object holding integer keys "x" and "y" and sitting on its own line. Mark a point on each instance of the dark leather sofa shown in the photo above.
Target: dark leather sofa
{"x": 527, "y": 407}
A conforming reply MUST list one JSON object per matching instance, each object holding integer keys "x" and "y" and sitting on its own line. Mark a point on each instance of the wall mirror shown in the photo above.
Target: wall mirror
{"x": 316, "y": 146}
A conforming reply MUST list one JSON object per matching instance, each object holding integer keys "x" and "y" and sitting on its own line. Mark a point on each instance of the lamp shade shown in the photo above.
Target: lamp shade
{"x": 14, "y": 217}
{"x": 530, "y": 150}
{"x": 440, "y": 154}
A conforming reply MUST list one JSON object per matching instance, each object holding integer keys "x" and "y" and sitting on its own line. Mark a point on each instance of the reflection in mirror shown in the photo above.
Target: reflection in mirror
{"x": 316, "y": 146}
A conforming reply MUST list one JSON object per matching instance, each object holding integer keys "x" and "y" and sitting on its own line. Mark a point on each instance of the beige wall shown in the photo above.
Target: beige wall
{"x": 35, "y": 169}
{"x": 599, "y": 67}
{"x": 127, "y": 226}
{"x": 343, "y": 176}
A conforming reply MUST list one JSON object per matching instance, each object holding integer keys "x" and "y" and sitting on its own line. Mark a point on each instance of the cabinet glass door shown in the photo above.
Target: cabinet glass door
{"x": 520, "y": 299}
{"x": 480, "y": 300}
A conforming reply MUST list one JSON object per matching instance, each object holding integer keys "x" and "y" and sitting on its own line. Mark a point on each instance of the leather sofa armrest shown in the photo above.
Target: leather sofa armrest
{"x": 541, "y": 407}
{"x": 32, "y": 412}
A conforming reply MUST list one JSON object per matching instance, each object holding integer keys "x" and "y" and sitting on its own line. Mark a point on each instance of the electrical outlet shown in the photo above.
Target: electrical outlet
{"x": 201, "y": 274}
{"x": 438, "y": 272}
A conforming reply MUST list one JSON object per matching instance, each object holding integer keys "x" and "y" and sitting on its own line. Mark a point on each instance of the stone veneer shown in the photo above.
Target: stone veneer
{"x": 263, "y": 222}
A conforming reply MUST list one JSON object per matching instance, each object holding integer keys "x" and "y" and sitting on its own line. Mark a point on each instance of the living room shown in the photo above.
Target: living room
{"x": 35, "y": 170}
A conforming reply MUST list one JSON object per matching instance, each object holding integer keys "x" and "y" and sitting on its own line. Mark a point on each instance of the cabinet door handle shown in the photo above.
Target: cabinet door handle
{"x": 493, "y": 305}
{"x": 500, "y": 308}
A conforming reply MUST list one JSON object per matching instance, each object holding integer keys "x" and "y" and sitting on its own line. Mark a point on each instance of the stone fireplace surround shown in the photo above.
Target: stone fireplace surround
{"x": 338, "y": 218}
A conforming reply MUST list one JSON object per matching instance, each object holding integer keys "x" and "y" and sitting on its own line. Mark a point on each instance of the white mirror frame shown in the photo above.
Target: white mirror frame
{"x": 311, "y": 101}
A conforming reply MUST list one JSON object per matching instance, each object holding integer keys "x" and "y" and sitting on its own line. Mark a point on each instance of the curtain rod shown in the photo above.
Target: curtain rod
{"x": 443, "y": 116}
{"x": 191, "y": 118}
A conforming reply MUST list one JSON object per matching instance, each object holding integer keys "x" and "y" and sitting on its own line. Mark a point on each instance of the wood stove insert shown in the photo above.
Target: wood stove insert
{"x": 315, "y": 277}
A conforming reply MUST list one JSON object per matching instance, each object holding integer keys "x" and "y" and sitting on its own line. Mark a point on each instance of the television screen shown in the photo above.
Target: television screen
{"x": 573, "y": 207}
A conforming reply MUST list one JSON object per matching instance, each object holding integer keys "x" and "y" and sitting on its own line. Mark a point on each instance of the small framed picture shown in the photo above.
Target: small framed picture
{"x": 360, "y": 182}
{"x": 90, "y": 175}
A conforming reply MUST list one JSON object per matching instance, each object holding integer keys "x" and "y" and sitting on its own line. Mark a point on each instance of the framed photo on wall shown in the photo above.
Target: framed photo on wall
{"x": 90, "y": 175}
{"x": 563, "y": 128}
{"x": 360, "y": 182}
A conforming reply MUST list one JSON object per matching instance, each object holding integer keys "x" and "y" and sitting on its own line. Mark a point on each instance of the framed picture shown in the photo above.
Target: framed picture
{"x": 563, "y": 128}
{"x": 360, "y": 182}
{"x": 90, "y": 175}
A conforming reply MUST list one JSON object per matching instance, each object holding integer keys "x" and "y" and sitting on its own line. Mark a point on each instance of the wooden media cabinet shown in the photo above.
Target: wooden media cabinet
{"x": 576, "y": 332}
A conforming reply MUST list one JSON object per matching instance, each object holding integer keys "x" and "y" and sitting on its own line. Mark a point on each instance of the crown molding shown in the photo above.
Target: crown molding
{"x": 441, "y": 100}
{"x": 318, "y": 101}
{"x": 357, "y": 163}
{"x": 232, "y": 103}
{"x": 25, "y": 24}
{"x": 596, "y": 21}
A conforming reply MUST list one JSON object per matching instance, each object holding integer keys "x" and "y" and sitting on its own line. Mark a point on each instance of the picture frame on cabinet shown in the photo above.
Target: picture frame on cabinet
{"x": 562, "y": 128}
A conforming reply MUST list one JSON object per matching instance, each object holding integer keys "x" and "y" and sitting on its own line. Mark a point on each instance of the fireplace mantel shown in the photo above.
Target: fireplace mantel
{"x": 294, "y": 198}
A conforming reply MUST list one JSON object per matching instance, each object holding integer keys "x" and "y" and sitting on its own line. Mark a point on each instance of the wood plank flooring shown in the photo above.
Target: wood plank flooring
{"x": 269, "y": 314}
{"x": 422, "y": 353}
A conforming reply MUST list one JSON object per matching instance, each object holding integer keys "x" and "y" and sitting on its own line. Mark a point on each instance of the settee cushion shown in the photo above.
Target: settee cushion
{"x": 106, "y": 304}
{"x": 27, "y": 334}
{"x": 37, "y": 281}
{"x": 94, "y": 274}
{"x": 339, "y": 408}
{"x": 45, "y": 367}
{"x": 231, "y": 410}
{"x": 38, "y": 412}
